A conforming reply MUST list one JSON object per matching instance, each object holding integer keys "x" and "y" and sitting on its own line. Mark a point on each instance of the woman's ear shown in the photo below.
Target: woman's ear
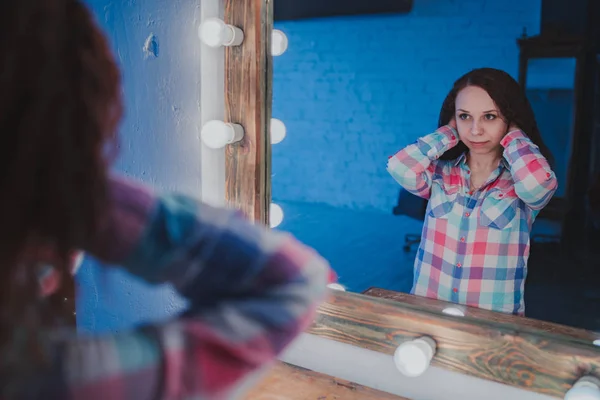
{"x": 452, "y": 122}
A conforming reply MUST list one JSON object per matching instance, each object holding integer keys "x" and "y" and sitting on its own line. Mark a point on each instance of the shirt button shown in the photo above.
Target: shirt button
{"x": 467, "y": 214}
{"x": 468, "y": 172}
{"x": 459, "y": 265}
{"x": 471, "y": 192}
{"x": 548, "y": 175}
{"x": 455, "y": 290}
{"x": 462, "y": 239}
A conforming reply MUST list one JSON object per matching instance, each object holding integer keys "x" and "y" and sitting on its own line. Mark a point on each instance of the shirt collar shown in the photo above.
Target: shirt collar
{"x": 463, "y": 158}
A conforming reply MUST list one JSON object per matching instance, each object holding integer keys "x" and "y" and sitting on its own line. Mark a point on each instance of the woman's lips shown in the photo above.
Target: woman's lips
{"x": 478, "y": 144}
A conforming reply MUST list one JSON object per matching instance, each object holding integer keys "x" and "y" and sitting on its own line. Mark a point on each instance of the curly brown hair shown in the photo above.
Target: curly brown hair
{"x": 509, "y": 97}
{"x": 60, "y": 104}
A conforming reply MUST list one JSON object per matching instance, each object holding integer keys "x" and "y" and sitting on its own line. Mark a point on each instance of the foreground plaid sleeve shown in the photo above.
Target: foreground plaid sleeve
{"x": 412, "y": 166}
{"x": 535, "y": 182}
{"x": 250, "y": 291}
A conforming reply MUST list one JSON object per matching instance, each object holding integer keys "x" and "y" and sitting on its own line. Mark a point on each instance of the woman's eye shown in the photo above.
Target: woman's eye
{"x": 490, "y": 117}
{"x": 463, "y": 116}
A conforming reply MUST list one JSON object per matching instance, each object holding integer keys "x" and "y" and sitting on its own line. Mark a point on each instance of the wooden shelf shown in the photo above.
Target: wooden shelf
{"x": 288, "y": 382}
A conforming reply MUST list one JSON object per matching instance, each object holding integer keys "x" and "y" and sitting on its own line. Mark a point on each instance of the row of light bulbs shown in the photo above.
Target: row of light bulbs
{"x": 217, "y": 134}
{"x": 412, "y": 358}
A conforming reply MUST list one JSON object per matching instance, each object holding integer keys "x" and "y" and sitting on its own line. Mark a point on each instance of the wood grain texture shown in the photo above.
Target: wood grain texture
{"x": 248, "y": 98}
{"x": 520, "y": 323}
{"x": 287, "y": 382}
{"x": 486, "y": 346}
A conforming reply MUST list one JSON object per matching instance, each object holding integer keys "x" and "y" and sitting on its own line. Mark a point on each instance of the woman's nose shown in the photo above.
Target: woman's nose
{"x": 476, "y": 129}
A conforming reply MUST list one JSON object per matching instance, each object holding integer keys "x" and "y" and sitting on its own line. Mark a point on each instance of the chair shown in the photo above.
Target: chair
{"x": 414, "y": 207}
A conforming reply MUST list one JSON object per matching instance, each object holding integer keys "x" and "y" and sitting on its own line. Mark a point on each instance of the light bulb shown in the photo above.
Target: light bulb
{"x": 336, "y": 286}
{"x": 455, "y": 311}
{"x": 77, "y": 262}
{"x": 596, "y": 342}
{"x": 412, "y": 358}
{"x": 586, "y": 388}
{"x": 278, "y": 131}
{"x": 217, "y": 134}
{"x": 216, "y": 33}
{"x": 275, "y": 215}
{"x": 279, "y": 43}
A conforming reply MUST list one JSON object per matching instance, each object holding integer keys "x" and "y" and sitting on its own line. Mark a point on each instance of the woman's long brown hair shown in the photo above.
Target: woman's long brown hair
{"x": 59, "y": 109}
{"x": 509, "y": 97}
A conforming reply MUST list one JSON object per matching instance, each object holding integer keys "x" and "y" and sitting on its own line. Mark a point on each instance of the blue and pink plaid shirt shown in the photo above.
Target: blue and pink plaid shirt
{"x": 475, "y": 245}
{"x": 250, "y": 292}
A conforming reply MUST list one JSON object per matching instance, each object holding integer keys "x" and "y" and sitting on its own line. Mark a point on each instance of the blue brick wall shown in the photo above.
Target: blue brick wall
{"x": 354, "y": 90}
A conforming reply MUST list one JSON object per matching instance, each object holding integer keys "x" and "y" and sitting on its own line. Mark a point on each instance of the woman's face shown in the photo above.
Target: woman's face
{"x": 478, "y": 120}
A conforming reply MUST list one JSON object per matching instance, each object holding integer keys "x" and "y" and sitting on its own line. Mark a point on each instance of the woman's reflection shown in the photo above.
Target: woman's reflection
{"x": 486, "y": 174}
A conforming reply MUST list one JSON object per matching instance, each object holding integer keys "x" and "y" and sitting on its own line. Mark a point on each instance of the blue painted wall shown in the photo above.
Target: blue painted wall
{"x": 159, "y": 138}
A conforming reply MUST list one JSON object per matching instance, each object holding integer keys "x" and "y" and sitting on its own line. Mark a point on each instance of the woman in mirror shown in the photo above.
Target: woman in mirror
{"x": 486, "y": 173}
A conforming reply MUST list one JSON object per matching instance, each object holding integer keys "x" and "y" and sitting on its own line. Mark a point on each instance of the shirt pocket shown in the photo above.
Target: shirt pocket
{"x": 442, "y": 200}
{"x": 498, "y": 210}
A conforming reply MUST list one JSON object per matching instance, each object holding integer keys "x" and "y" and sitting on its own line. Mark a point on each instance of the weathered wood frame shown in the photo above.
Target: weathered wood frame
{"x": 525, "y": 353}
{"x": 248, "y": 98}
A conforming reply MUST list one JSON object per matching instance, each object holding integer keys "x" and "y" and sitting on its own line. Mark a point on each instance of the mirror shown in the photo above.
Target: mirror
{"x": 354, "y": 90}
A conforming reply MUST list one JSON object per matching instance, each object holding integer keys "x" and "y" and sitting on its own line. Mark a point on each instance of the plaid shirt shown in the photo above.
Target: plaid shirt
{"x": 250, "y": 292}
{"x": 475, "y": 245}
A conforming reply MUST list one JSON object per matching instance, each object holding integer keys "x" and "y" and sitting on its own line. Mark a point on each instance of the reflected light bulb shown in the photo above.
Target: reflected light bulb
{"x": 275, "y": 215}
{"x": 336, "y": 286}
{"x": 279, "y": 43}
{"x": 278, "y": 131}
{"x": 77, "y": 262}
{"x": 455, "y": 311}
{"x": 217, "y": 134}
{"x": 412, "y": 358}
{"x": 216, "y": 33}
{"x": 586, "y": 388}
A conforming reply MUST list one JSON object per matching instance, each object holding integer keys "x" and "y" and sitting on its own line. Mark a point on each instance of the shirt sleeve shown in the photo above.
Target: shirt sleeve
{"x": 250, "y": 291}
{"x": 412, "y": 167}
{"x": 535, "y": 182}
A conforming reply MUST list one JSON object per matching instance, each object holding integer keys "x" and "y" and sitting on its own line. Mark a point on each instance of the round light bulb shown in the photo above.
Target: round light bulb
{"x": 217, "y": 134}
{"x": 586, "y": 388}
{"x": 275, "y": 215}
{"x": 279, "y": 43}
{"x": 77, "y": 262}
{"x": 412, "y": 358}
{"x": 596, "y": 342}
{"x": 336, "y": 286}
{"x": 454, "y": 311}
{"x": 216, "y": 33}
{"x": 278, "y": 131}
